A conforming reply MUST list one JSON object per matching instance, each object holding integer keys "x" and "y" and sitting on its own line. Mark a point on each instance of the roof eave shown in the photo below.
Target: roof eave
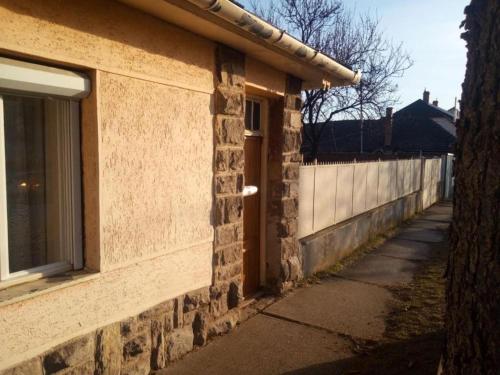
{"x": 225, "y": 22}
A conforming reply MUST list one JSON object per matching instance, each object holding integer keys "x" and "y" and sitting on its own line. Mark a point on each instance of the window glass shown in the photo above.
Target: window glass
{"x": 256, "y": 116}
{"x": 248, "y": 115}
{"x": 25, "y": 177}
{"x": 34, "y": 180}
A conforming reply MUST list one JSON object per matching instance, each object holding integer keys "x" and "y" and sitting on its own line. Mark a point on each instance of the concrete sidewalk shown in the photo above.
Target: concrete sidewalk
{"x": 316, "y": 328}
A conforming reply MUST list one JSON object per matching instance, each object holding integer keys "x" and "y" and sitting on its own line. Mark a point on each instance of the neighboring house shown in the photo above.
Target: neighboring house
{"x": 420, "y": 127}
{"x": 129, "y": 134}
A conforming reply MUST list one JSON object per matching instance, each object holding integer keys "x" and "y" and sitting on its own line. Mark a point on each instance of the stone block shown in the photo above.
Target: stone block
{"x": 293, "y": 102}
{"x": 229, "y": 184}
{"x": 291, "y": 171}
{"x": 218, "y": 306}
{"x": 290, "y": 208}
{"x": 71, "y": 354}
{"x": 295, "y": 268}
{"x": 235, "y": 293}
{"x": 224, "y": 324}
{"x": 178, "y": 312}
{"x": 227, "y": 234}
{"x": 200, "y": 329}
{"x": 230, "y": 67}
{"x": 285, "y": 270}
{"x": 108, "y": 350}
{"x": 30, "y": 367}
{"x": 221, "y": 160}
{"x": 158, "y": 350}
{"x": 139, "y": 365}
{"x": 136, "y": 347}
{"x": 236, "y": 160}
{"x": 169, "y": 321}
{"x": 196, "y": 298}
{"x": 233, "y": 209}
{"x": 219, "y": 211}
{"x": 225, "y": 184}
{"x": 179, "y": 343}
{"x": 287, "y": 228}
{"x": 133, "y": 327}
{"x": 290, "y": 189}
{"x": 292, "y": 119}
{"x": 228, "y": 102}
{"x": 289, "y": 247}
{"x": 228, "y": 272}
{"x": 291, "y": 140}
{"x": 228, "y": 255}
{"x": 230, "y": 131}
{"x": 219, "y": 289}
{"x": 84, "y": 368}
{"x": 292, "y": 157}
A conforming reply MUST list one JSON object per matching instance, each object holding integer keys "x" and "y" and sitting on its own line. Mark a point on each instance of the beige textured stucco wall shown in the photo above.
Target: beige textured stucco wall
{"x": 108, "y": 36}
{"x": 264, "y": 77}
{"x": 156, "y": 178}
{"x": 152, "y": 131}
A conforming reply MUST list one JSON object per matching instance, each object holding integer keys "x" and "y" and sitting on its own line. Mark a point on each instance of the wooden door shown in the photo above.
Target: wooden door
{"x": 251, "y": 216}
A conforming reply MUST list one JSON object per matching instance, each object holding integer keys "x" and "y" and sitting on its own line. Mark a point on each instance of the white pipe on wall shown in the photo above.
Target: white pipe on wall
{"x": 232, "y": 13}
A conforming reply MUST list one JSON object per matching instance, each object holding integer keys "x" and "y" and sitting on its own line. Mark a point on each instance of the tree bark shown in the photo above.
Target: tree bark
{"x": 473, "y": 276}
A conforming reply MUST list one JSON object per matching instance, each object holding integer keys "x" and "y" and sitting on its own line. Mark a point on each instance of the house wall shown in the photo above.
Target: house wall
{"x": 264, "y": 77}
{"x": 148, "y": 165}
{"x": 162, "y": 134}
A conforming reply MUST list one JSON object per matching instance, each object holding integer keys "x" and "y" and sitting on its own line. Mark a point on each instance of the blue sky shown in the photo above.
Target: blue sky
{"x": 429, "y": 30}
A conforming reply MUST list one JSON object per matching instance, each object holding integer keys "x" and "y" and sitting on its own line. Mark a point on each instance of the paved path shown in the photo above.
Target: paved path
{"x": 316, "y": 329}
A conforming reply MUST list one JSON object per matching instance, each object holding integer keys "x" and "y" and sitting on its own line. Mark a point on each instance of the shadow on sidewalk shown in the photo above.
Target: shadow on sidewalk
{"x": 416, "y": 356}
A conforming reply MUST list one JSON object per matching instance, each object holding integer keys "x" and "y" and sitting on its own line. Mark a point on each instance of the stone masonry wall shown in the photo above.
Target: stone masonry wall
{"x": 283, "y": 252}
{"x": 229, "y": 177}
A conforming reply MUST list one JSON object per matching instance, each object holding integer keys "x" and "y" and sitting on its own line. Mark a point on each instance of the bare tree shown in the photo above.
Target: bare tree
{"x": 354, "y": 41}
{"x": 473, "y": 276}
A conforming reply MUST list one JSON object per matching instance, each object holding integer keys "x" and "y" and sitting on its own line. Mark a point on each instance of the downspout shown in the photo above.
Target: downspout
{"x": 239, "y": 17}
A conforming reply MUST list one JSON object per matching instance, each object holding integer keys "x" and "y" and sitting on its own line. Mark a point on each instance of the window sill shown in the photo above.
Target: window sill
{"x": 32, "y": 289}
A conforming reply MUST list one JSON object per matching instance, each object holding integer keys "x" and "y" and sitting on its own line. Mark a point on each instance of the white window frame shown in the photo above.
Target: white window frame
{"x": 252, "y": 132}
{"x": 20, "y": 78}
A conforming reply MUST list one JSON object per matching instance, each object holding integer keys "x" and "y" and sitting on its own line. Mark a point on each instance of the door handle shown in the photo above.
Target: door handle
{"x": 250, "y": 190}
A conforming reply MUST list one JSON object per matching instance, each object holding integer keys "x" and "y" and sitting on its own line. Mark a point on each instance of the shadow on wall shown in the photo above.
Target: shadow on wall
{"x": 113, "y": 21}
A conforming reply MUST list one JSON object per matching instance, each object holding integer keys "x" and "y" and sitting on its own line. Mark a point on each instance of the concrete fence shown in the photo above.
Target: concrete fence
{"x": 332, "y": 193}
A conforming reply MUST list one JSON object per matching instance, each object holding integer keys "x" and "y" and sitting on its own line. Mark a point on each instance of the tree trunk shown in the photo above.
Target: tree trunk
{"x": 473, "y": 276}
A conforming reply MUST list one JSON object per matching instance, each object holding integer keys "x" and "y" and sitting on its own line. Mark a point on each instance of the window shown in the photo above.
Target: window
{"x": 40, "y": 182}
{"x": 252, "y": 115}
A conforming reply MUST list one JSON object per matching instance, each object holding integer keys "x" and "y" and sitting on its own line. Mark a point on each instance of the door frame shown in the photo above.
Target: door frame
{"x": 263, "y": 133}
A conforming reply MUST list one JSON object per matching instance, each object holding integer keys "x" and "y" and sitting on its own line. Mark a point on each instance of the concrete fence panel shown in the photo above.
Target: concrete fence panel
{"x": 371, "y": 185}
{"x": 332, "y": 193}
{"x": 359, "y": 188}
{"x": 384, "y": 185}
{"x": 343, "y": 202}
{"x": 400, "y": 179}
{"x": 417, "y": 168}
{"x": 393, "y": 171}
{"x": 325, "y": 190}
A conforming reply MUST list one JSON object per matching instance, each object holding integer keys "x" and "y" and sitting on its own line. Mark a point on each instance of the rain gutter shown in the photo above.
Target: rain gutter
{"x": 275, "y": 37}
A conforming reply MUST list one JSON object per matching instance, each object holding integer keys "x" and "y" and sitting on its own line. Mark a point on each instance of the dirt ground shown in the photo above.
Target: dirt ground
{"x": 415, "y": 327}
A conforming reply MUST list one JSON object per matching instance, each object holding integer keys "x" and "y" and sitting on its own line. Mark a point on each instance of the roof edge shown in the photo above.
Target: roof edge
{"x": 275, "y": 37}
